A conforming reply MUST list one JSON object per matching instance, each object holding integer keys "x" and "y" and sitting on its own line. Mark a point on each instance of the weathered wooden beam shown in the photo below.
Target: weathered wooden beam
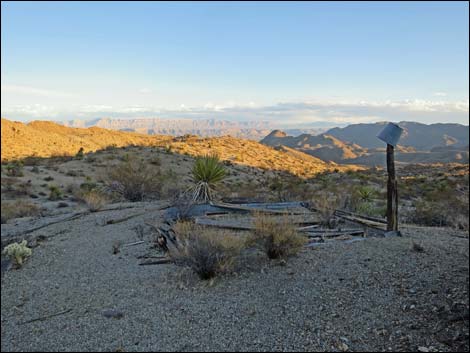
{"x": 392, "y": 191}
{"x": 375, "y": 219}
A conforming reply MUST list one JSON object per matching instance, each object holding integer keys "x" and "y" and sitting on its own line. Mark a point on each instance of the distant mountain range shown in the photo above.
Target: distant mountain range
{"x": 253, "y": 130}
{"x": 358, "y": 144}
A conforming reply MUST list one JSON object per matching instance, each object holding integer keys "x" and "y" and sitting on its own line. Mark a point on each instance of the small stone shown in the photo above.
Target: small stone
{"x": 343, "y": 347}
{"x": 111, "y": 313}
{"x": 423, "y": 349}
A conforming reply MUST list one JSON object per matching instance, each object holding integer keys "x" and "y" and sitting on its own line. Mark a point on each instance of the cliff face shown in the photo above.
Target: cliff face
{"x": 254, "y": 130}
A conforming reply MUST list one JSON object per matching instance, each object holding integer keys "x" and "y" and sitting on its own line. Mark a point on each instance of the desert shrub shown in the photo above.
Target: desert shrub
{"x": 442, "y": 205}
{"x": 48, "y": 178}
{"x": 55, "y": 193}
{"x": 80, "y": 154}
{"x": 88, "y": 184}
{"x": 370, "y": 209}
{"x": 35, "y": 169}
{"x": 207, "y": 172}
{"x": 325, "y": 204}
{"x": 134, "y": 180}
{"x": 126, "y": 157}
{"x": 277, "y": 238}
{"x": 18, "y": 252}
{"x": 32, "y": 161}
{"x": 91, "y": 159}
{"x": 14, "y": 169}
{"x": 155, "y": 161}
{"x": 365, "y": 193}
{"x": 94, "y": 199}
{"x": 208, "y": 252}
{"x": 18, "y": 209}
{"x": 289, "y": 188}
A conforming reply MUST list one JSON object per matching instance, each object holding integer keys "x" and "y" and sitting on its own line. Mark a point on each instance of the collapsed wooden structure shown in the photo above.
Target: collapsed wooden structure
{"x": 240, "y": 217}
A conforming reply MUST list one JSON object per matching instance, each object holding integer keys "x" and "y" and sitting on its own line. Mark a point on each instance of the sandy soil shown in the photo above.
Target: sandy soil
{"x": 378, "y": 294}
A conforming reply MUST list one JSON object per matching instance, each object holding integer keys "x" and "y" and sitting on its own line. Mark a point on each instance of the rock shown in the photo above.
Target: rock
{"x": 343, "y": 347}
{"x": 423, "y": 349}
{"x": 112, "y": 314}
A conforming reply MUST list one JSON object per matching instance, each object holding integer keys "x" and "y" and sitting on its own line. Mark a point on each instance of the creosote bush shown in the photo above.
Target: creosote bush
{"x": 278, "y": 238}
{"x": 208, "y": 252}
{"x": 134, "y": 179}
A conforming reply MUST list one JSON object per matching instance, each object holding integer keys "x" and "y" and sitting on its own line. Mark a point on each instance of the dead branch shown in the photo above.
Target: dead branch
{"x": 42, "y": 318}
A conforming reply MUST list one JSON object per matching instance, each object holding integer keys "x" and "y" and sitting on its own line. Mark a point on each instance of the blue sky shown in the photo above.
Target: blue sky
{"x": 304, "y": 62}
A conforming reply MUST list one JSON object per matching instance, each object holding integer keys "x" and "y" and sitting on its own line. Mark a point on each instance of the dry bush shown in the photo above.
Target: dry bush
{"x": 94, "y": 199}
{"x": 14, "y": 169}
{"x": 134, "y": 179}
{"x": 55, "y": 193}
{"x": 208, "y": 252}
{"x": 17, "y": 209}
{"x": 278, "y": 238}
{"x": 325, "y": 204}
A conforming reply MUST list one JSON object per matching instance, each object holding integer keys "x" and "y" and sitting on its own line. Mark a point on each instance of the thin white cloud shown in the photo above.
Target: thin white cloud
{"x": 286, "y": 113}
{"x": 32, "y": 91}
{"x": 440, "y": 94}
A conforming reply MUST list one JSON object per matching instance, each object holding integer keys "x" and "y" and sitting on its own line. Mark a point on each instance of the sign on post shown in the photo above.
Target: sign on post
{"x": 390, "y": 135}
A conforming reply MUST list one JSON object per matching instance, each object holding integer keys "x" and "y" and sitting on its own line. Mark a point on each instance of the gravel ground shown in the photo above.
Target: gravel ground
{"x": 374, "y": 295}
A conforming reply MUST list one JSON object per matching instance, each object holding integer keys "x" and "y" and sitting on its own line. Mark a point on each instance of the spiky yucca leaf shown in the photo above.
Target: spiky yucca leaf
{"x": 207, "y": 172}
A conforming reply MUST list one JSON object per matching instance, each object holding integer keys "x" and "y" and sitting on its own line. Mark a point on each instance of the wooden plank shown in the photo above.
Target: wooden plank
{"x": 375, "y": 219}
{"x": 366, "y": 222}
{"x": 265, "y": 208}
{"x": 334, "y": 235}
{"x": 222, "y": 224}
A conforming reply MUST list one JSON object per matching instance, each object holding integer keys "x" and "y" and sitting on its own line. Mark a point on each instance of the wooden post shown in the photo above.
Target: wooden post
{"x": 392, "y": 192}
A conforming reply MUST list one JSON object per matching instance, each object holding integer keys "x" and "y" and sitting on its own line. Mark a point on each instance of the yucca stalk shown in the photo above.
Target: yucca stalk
{"x": 207, "y": 172}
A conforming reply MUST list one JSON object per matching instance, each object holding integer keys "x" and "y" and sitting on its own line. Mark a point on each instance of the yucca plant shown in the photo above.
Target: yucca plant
{"x": 207, "y": 172}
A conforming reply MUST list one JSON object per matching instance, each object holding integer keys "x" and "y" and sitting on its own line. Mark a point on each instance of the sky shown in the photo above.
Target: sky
{"x": 289, "y": 62}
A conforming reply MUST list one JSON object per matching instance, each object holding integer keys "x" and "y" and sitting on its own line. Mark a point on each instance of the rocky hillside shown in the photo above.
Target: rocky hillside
{"x": 324, "y": 146}
{"x": 45, "y": 139}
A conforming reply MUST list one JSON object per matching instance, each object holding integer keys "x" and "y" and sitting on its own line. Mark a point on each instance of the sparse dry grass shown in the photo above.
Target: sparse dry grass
{"x": 277, "y": 238}
{"x": 326, "y": 203}
{"x": 94, "y": 199}
{"x": 17, "y": 209}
